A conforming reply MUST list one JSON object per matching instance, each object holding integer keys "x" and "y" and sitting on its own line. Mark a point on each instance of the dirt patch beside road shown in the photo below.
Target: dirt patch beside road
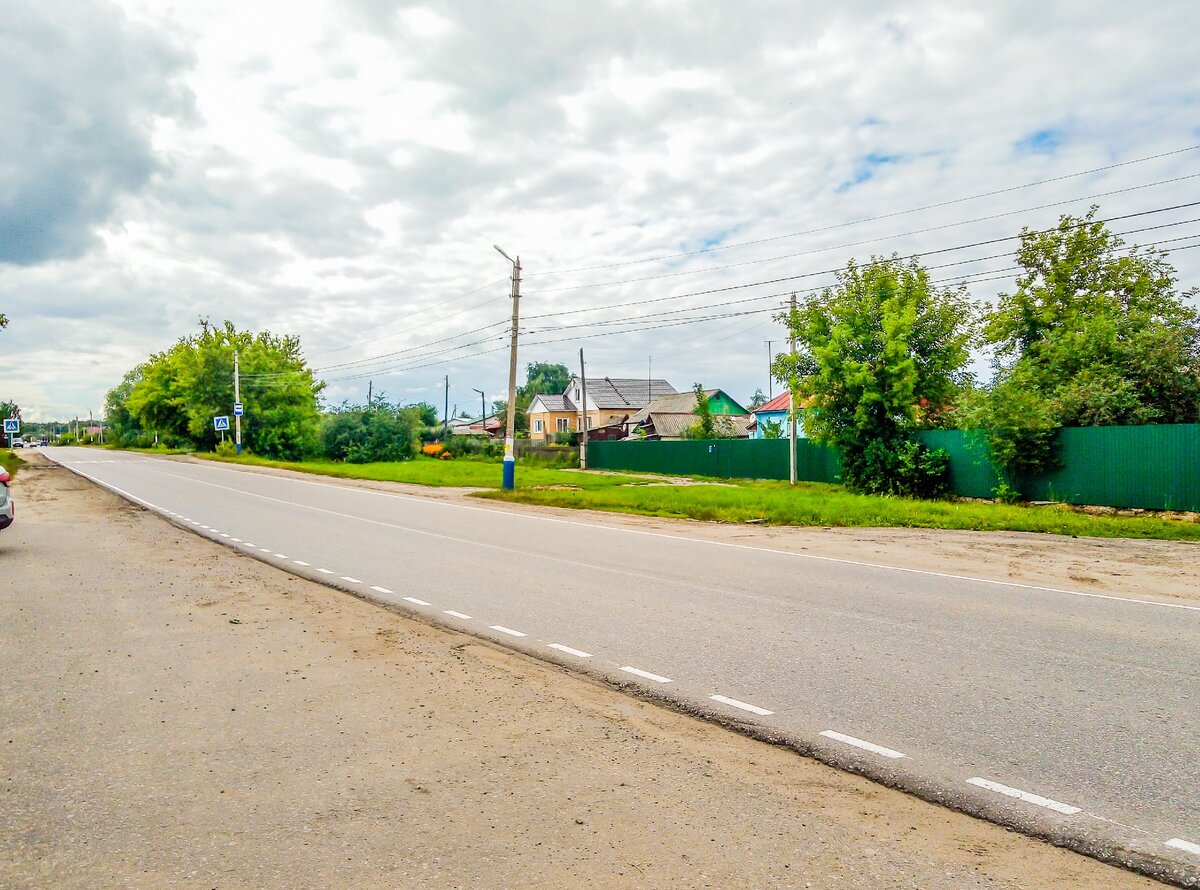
{"x": 175, "y": 714}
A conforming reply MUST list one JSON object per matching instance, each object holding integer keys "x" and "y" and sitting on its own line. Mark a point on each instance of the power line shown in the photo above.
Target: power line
{"x": 875, "y": 240}
{"x": 869, "y": 219}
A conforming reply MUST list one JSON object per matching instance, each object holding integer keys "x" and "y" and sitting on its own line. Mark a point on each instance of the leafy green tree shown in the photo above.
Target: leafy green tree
{"x": 758, "y": 400}
{"x": 1097, "y": 330}
{"x": 1093, "y": 335}
{"x": 872, "y": 354}
{"x": 361, "y": 434}
{"x": 705, "y": 427}
{"x": 772, "y": 429}
{"x": 182, "y": 389}
{"x": 3, "y": 321}
{"x": 544, "y": 377}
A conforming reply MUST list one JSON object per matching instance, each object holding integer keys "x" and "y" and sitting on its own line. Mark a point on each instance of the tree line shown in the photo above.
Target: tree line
{"x": 1093, "y": 334}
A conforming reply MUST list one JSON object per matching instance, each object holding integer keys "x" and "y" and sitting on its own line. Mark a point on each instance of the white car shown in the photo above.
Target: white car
{"x": 16, "y": 442}
{"x": 6, "y": 502}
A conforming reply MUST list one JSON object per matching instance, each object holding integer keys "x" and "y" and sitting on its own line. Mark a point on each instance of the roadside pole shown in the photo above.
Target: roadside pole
{"x": 583, "y": 424}
{"x": 446, "y": 411}
{"x": 509, "y": 479}
{"x": 237, "y": 404}
{"x": 792, "y": 398}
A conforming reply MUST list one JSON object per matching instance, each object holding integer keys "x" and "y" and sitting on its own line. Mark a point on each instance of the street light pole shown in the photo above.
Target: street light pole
{"x": 509, "y": 479}
{"x": 482, "y": 409}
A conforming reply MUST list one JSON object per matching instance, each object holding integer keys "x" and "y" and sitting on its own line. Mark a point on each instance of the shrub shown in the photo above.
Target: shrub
{"x": 360, "y": 435}
{"x": 226, "y": 448}
{"x": 901, "y": 467}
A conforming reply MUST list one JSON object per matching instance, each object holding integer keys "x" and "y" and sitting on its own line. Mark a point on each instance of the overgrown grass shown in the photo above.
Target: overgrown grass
{"x": 11, "y": 462}
{"x": 439, "y": 473}
{"x": 812, "y": 503}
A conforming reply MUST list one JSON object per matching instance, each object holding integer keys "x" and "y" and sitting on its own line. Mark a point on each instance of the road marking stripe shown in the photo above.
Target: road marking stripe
{"x": 236, "y": 540}
{"x": 282, "y": 556}
{"x": 1058, "y": 807}
{"x": 646, "y": 674}
{"x": 734, "y": 703}
{"x": 507, "y": 630}
{"x": 413, "y": 599}
{"x": 351, "y": 580}
{"x": 1186, "y": 846}
{"x": 577, "y": 653}
{"x": 382, "y": 589}
{"x": 456, "y": 614}
{"x": 265, "y": 549}
{"x": 248, "y": 544}
{"x": 225, "y": 535}
{"x": 860, "y": 743}
{"x": 299, "y": 562}
{"x": 325, "y": 571}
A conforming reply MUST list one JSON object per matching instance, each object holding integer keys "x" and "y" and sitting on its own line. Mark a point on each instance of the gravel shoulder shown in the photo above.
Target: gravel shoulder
{"x": 175, "y": 714}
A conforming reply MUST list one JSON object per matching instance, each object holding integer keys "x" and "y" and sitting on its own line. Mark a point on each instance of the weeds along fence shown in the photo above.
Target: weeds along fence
{"x": 1149, "y": 467}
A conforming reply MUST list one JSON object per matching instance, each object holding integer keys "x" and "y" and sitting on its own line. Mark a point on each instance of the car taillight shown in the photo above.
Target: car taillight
{"x": 4, "y": 477}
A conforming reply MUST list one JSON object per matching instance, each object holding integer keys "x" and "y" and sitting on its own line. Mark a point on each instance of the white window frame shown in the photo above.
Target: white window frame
{"x": 563, "y": 424}
{"x": 537, "y": 426}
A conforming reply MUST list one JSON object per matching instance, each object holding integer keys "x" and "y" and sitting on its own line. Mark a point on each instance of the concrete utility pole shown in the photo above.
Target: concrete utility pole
{"x": 237, "y": 398}
{"x": 792, "y": 397}
{"x": 370, "y": 392}
{"x": 770, "y": 376}
{"x": 482, "y": 410}
{"x": 446, "y": 411}
{"x": 509, "y": 480}
{"x": 583, "y": 424}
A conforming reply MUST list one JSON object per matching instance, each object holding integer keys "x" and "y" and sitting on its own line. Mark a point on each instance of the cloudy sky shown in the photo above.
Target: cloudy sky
{"x": 340, "y": 171}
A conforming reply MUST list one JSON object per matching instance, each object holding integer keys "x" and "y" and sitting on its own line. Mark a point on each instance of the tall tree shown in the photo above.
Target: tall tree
{"x": 182, "y": 389}
{"x": 1098, "y": 331}
{"x": 873, "y": 353}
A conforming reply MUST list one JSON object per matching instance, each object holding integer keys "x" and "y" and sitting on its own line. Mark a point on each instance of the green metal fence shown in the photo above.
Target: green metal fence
{"x": 1152, "y": 467}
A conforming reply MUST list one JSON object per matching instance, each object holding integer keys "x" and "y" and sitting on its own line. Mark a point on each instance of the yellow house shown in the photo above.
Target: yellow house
{"x": 610, "y": 400}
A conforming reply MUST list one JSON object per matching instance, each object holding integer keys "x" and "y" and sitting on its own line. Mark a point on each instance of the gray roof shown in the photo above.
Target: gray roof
{"x": 670, "y": 425}
{"x": 675, "y": 403}
{"x": 556, "y": 401}
{"x": 626, "y": 392}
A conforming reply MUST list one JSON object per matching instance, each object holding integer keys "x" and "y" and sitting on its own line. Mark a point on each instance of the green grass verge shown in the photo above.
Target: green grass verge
{"x": 812, "y": 503}
{"x": 437, "y": 473}
{"x": 11, "y": 462}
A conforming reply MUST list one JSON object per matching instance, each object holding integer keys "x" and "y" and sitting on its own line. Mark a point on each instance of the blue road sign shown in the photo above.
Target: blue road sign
{"x": 238, "y": 409}
{"x": 12, "y": 425}
{"x": 221, "y": 423}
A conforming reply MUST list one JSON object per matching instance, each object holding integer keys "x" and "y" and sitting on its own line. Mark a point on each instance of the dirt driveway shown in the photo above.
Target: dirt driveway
{"x": 176, "y": 715}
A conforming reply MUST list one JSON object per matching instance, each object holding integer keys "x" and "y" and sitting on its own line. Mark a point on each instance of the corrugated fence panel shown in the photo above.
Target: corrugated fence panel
{"x": 971, "y": 474}
{"x": 1152, "y": 467}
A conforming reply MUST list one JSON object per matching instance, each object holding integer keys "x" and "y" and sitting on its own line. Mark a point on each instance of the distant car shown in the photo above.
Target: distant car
{"x": 7, "y": 511}
{"x": 44, "y": 442}
{"x": 17, "y": 442}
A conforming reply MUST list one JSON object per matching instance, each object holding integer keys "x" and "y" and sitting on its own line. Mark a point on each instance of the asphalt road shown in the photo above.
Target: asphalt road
{"x": 1071, "y": 715}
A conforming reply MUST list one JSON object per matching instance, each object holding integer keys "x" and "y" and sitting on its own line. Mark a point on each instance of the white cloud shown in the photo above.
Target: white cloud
{"x": 341, "y": 170}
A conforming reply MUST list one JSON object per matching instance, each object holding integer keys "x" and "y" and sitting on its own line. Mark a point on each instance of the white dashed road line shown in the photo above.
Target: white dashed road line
{"x": 300, "y": 562}
{"x": 461, "y": 615}
{"x": 1186, "y": 846}
{"x": 1065, "y": 808}
{"x": 734, "y": 703}
{"x": 350, "y": 580}
{"x": 507, "y": 630}
{"x": 325, "y": 571}
{"x": 382, "y": 589}
{"x": 577, "y": 653}
{"x": 646, "y": 675}
{"x": 413, "y": 599}
{"x": 282, "y": 556}
{"x": 860, "y": 743}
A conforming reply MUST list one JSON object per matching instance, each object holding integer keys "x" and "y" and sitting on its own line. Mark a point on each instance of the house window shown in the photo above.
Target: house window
{"x": 537, "y": 426}
{"x": 564, "y": 424}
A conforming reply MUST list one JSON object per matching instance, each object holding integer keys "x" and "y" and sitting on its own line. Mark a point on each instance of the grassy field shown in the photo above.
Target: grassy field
{"x": 772, "y": 503}
{"x": 439, "y": 473}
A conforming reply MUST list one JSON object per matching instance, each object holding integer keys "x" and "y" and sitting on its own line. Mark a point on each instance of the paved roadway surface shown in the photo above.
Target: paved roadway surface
{"x": 1067, "y": 714}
